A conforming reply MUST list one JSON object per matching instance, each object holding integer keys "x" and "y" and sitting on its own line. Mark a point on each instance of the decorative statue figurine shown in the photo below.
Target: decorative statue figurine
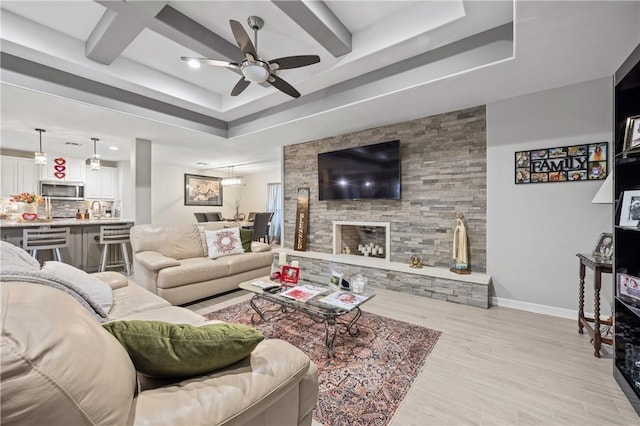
{"x": 460, "y": 247}
{"x": 416, "y": 261}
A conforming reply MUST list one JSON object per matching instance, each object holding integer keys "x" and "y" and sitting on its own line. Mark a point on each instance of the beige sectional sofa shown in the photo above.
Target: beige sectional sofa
{"x": 171, "y": 261}
{"x": 60, "y": 366}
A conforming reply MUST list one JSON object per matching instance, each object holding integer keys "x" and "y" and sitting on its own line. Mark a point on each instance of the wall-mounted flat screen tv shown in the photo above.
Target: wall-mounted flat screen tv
{"x": 363, "y": 172}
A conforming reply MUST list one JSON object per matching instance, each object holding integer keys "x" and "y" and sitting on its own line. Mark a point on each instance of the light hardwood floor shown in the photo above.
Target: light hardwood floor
{"x": 498, "y": 366}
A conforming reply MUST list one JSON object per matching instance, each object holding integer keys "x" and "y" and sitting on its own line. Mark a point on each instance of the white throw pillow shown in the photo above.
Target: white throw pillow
{"x": 257, "y": 247}
{"x": 224, "y": 242}
{"x": 94, "y": 287}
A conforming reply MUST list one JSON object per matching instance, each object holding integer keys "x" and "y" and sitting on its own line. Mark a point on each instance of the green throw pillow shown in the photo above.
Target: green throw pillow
{"x": 162, "y": 349}
{"x": 246, "y": 236}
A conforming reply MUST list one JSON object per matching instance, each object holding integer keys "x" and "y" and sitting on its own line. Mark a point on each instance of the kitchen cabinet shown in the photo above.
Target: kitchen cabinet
{"x": 74, "y": 169}
{"x": 18, "y": 175}
{"x": 101, "y": 184}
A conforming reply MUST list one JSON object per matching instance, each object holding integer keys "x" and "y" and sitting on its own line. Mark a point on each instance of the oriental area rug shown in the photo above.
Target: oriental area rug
{"x": 370, "y": 374}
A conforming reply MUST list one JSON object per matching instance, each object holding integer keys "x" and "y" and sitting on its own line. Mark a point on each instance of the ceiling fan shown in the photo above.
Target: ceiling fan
{"x": 254, "y": 69}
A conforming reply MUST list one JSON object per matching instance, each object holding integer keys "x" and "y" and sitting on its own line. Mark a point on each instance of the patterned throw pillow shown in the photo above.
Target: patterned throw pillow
{"x": 224, "y": 242}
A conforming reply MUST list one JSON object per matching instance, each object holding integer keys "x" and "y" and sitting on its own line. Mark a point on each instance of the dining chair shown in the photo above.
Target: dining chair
{"x": 251, "y": 217}
{"x": 213, "y": 216}
{"x": 200, "y": 217}
{"x": 261, "y": 226}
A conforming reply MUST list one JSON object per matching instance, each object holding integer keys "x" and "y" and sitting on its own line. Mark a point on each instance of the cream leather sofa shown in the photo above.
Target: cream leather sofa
{"x": 171, "y": 261}
{"x": 59, "y": 366}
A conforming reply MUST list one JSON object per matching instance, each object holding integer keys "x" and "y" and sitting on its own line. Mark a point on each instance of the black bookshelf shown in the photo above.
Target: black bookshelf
{"x": 626, "y": 239}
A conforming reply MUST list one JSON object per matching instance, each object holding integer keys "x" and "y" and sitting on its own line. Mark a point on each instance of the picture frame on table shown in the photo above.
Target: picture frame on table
{"x": 632, "y": 134}
{"x": 630, "y": 209}
{"x": 202, "y": 190}
{"x": 290, "y": 274}
{"x": 629, "y": 286}
{"x": 604, "y": 246}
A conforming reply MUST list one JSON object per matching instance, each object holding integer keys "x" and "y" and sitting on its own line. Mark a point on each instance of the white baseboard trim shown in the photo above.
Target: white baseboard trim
{"x": 540, "y": 309}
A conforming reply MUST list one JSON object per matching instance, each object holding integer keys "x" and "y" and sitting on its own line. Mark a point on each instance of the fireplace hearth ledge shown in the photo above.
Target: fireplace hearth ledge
{"x": 370, "y": 262}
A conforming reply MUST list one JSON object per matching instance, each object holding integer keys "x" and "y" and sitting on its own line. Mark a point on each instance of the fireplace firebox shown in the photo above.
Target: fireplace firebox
{"x": 369, "y": 239}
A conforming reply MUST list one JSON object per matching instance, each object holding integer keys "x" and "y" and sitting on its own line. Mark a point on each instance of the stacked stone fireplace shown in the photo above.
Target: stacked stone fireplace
{"x": 368, "y": 239}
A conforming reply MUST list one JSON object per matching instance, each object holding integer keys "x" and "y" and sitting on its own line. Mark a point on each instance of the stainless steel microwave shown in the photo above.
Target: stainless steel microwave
{"x": 62, "y": 190}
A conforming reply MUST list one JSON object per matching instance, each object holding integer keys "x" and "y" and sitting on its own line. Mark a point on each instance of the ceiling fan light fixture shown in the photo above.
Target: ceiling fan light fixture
{"x": 257, "y": 72}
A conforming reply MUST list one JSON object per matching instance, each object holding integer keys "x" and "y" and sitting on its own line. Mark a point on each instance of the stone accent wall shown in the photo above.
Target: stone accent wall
{"x": 444, "y": 166}
{"x": 319, "y": 271}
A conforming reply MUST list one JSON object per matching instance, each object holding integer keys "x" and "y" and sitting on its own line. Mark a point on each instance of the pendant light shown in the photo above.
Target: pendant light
{"x": 40, "y": 157}
{"x": 232, "y": 181}
{"x": 94, "y": 163}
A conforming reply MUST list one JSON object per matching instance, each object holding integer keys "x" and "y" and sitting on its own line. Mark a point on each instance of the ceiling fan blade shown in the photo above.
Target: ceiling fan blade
{"x": 283, "y": 86}
{"x": 216, "y": 63}
{"x": 240, "y": 86}
{"x": 294, "y": 61}
{"x": 242, "y": 38}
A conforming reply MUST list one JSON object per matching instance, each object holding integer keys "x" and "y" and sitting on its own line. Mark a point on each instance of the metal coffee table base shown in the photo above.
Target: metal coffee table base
{"x": 330, "y": 320}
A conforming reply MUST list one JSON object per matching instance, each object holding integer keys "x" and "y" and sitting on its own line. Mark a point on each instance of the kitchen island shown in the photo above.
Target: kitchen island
{"x": 84, "y": 248}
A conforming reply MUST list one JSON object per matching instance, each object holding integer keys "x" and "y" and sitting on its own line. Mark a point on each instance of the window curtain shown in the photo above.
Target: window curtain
{"x": 274, "y": 204}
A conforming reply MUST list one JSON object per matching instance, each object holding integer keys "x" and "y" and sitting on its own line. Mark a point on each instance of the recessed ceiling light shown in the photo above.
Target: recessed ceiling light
{"x": 114, "y": 148}
{"x": 193, "y": 63}
{"x": 202, "y": 164}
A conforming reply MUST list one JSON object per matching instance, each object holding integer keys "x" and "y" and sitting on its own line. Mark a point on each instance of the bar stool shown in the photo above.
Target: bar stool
{"x": 34, "y": 239}
{"x": 115, "y": 234}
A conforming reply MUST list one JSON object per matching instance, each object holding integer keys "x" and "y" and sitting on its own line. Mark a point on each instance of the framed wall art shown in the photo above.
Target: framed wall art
{"x": 630, "y": 209}
{"x": 562, "y": 164}
{"x": 632, "y": 134}
{"x": 202, "y": 190}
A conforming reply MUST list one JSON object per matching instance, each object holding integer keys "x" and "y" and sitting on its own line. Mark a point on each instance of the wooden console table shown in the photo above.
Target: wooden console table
{"x": 598, "y": 265}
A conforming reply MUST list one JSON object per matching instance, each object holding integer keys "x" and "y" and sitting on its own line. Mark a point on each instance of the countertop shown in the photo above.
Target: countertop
{"x": 61, "y": 222}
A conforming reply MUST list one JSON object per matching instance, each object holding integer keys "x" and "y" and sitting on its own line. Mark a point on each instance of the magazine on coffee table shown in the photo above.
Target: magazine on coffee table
{"x": 265, "y": 285}
{"x": 344, "y": 299}
{"x": 299, "y": 293}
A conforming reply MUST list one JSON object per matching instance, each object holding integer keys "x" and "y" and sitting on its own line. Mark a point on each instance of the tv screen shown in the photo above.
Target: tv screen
{"x": 364, "y": 172}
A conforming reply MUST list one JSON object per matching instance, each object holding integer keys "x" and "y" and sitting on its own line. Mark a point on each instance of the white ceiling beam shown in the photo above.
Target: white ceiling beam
{"x": 175, "y": 26}
{"x": 16, "y": 70}
{"x": 111, "y": 35}
{"x": 319, "y": 22}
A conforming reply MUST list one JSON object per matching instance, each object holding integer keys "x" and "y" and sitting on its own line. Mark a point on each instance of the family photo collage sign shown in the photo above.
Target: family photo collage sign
{"x": 562, "y": 164}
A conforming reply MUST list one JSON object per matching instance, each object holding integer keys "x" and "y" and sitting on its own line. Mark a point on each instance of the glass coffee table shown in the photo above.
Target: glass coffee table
{"x": 338, "y": 310}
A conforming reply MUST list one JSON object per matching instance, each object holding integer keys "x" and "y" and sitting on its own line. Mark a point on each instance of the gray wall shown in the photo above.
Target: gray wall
{"x": 443, "y": 172}
{"x": 535, "y": 231}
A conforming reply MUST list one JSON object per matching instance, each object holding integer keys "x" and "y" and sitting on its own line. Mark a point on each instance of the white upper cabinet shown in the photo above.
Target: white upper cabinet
{"x": 18, "y": 175}
{"x": 101, "y": 183}
{"x": 63, "y": 169}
